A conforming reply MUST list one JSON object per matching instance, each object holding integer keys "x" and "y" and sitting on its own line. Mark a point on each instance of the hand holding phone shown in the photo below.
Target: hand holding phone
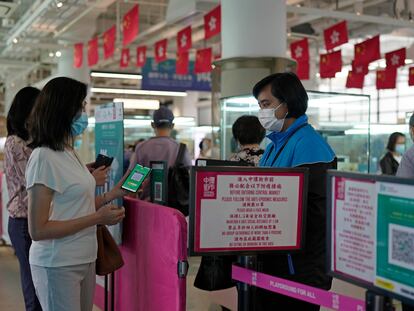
{"x": 136, "y": 178}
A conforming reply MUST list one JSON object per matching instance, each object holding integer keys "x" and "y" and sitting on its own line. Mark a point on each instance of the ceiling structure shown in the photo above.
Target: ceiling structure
{"x": 33, "y": 32}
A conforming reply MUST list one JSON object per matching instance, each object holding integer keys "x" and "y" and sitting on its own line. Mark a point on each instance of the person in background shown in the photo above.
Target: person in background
{"x": 62, "y": 208}
{"x": 206, "y": 150}
{"x": 406, "y": 167}
{"x": 283, "y": 103}
{"x": 249, "y": 133}
{"x": 395, "y": 149}
{"x": 16, "y": 154}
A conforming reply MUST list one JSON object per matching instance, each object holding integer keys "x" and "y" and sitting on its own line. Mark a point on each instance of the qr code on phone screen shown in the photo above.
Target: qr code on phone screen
{"x": 401, "y": 246}
{"x": 158, "y": 191}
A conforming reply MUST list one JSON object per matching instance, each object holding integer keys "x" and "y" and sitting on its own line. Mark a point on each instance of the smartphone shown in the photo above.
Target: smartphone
{"x": 135, "y": 178}
{"x": 102, "y": 160}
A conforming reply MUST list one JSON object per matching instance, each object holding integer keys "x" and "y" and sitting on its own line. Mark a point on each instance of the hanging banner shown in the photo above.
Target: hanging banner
{"x": 109, "y": 141}
{"x": 163, "y": 77}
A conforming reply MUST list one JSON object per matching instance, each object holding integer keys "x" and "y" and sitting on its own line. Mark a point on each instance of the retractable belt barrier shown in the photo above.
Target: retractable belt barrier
{"x": 298, "y": 291}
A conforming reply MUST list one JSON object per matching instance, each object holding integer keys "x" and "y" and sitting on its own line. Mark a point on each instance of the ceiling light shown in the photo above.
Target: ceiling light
{"x": 15, "y": 40}
{"x": 408, "y": 61}
{"x": 116, "y": 75}
{"x": 51, "y": 54}
{"x": 130, "y": 103}
{"x": 58, "y": 54}
{"x": 136, "y": 92}
{"x": 59, "y": 4}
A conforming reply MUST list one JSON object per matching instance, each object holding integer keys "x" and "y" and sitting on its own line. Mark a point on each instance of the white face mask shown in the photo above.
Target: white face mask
{"x": 269, "y": 121}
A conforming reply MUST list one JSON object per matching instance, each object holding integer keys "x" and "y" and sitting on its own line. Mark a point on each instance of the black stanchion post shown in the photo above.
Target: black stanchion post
{"x": 246, "y": 297}
{"x": 375, "y": 302}
{"x": 113, "y": 291}
{"x": 106, "y": 293}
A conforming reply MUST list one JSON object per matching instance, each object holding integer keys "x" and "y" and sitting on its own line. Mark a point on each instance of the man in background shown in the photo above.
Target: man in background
{"x": 406, "y": 168}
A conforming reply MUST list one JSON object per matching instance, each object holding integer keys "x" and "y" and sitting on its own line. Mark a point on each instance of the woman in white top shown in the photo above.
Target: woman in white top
{"x": 62, "y": 208}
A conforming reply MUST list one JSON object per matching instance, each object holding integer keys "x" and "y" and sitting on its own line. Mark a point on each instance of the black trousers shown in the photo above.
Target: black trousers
{"x": 269, "y": 301}
{"x": 21, "y": 241}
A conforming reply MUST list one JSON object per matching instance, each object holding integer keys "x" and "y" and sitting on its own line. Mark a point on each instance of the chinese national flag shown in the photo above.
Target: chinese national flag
{"x": 335, "y": 35}
{"x": 395, "y": 58}
{"x": 78, "y": 55}
{"x": 359, "y": 69}
{"x": 124, "y": 61}
{"x": 212, "y": 23}
{"x": 329, "y": 64}
{"x": 184, "y": 40}
{"x": 109, "y": 42}
{"x": 160, "y": 50}
{"x": 386, "y": 79}
{"x": 300, "y": 50}
{"x": 411, "y": 76}
{"x": 141, "y": 56}
{"x": 181, "y": 64}
{"x": 367, "y": 51}
{"x": 93, "y": 55}
{"x": 203, "y": 60}
{"x": 130, "y": 25}
{"x": 355, "y": 80}
{"x": 302, "y": 70}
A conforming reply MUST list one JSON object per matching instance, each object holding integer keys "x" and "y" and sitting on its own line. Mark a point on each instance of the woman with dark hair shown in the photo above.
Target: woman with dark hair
{"x": 63, "y": 210}
{"x": 283, "y": 103}
{"x": 249, "y": 133}
{"x": 395, "y": 149}
{"x": 17, "y": 153}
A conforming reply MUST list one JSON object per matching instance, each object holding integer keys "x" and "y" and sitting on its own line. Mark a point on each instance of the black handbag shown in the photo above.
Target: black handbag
{"x": 215, "y": 273}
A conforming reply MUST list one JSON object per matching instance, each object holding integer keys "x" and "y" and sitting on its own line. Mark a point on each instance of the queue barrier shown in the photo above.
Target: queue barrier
{"x": 298, "y": 291}
{"x": 154, "y": 250}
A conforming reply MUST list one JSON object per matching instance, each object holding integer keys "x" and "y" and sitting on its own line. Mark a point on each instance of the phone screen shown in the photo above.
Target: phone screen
{"x": 135, "y": 178}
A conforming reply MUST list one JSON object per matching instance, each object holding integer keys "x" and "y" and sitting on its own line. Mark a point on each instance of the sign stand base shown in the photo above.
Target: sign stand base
{"x": 246, "y": 298}
{"x": 375, "y": 302}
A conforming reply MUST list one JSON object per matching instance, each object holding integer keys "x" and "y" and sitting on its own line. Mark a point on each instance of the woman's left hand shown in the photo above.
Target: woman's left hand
{"x": 117, "y": 191}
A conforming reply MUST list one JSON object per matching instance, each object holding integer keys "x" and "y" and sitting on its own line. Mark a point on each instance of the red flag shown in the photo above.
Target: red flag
{"x": 329, "y": 64}
{"x": 411, "y": 76}
{"x": 367, "y": 51}
{"x": 109, "y": 42}
{"x": 93, "y": 55}
{"x": 302, "y": 70}
{"x": 212, "y": 23}
{"x": 160, "y": 48}
{"x": 335, "y": 35}
{"x": 130, "y": 25}
{"x": 386, "y": 79}
{"x": 184, "y": 40}
{"x": 396, "y": 58}
{"x": 124, "y": 61}
{"x": 203, "y": 60}
{"x": 181, "y": 64}
{"x": 359, "y": 69}
{"x": 78, "y": 55}
{"x": 300, "y": 50}
{"x": 141, "y": 56}
{"x": 355, "y": 80}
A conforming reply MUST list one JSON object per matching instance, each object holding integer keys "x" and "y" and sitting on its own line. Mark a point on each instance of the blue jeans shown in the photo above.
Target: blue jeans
{"x": 21, "y": 241}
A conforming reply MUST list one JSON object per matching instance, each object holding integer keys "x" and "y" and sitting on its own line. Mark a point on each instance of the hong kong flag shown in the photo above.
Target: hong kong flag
{"x": 109, "y": 42}
{"x": 302, "y": 70}
{"x": 78, "y": 55}
{"x": 300, "y": 50}
{"x": 212, "y": 23}
{"x": 130, "y": 25}
{"x": 329, "y": 64}
{"x": 203, "y": 60}
{"x": 367, "y": 51}
{"x": 124, "y": 61}
{"x": 181, "y": 64}
{"x": 411, "y": 76}
{"x": 161, "y": 50}
{"x": 359, "y": 69}
{"x": 184, "y": 40}
{"x": 93, "y": 55}
{"x": 395, "y": 58}
{"x": 355, "y": 80}
{"x": 386, "y": 79}
{"x": 141, "y": 56}
{"x": 335, "y": 35}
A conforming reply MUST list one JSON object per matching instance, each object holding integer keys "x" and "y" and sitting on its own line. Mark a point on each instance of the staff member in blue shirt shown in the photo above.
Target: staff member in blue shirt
{"x": 283, "y": 103}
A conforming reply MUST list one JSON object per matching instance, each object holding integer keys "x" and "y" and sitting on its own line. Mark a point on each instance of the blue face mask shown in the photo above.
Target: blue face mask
{"x": 400, "y": 148}
{"x": 79, "y": 124}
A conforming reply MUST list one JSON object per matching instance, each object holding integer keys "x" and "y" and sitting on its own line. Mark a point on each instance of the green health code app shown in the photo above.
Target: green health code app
{"x": 135, "y": 178}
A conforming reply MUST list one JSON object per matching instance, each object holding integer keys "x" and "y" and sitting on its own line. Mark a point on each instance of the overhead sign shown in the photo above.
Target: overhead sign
{"x": 162, "y": 77}
{"x": 242, "y": 210}
{"x": 372, "y": 232}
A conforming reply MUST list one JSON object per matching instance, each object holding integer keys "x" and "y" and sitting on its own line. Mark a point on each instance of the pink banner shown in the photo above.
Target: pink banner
{"x": 297, "y": 290}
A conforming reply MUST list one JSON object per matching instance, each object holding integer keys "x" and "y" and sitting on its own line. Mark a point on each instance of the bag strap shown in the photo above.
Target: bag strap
{"x": 180, "y": 155}
{"x": 283, "y": 146}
